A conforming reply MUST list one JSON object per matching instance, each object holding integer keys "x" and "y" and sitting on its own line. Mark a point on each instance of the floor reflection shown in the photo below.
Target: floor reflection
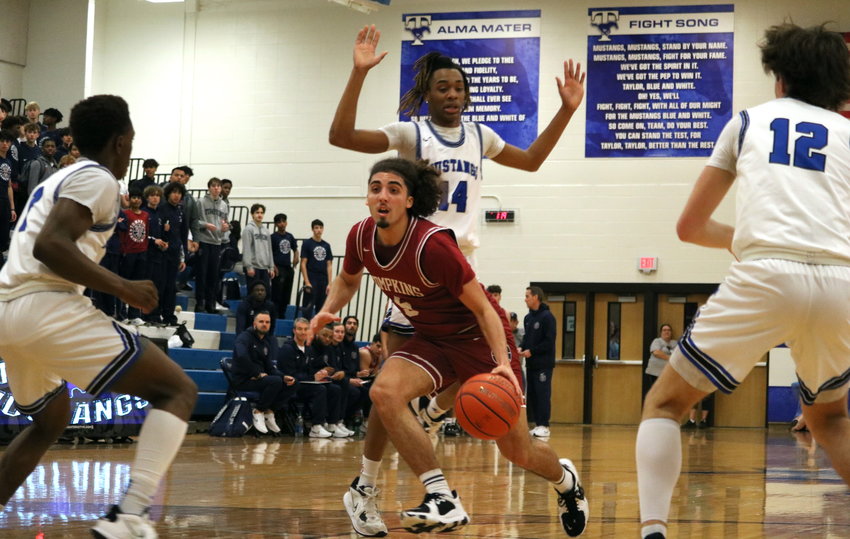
{"x": 735, "y": 483}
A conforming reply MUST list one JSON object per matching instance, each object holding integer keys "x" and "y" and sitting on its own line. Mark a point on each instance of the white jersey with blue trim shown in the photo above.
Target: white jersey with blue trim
{"x": 457, "y": 152}
{"x": 85, "y": 182}
{"x": 792, "y": 162}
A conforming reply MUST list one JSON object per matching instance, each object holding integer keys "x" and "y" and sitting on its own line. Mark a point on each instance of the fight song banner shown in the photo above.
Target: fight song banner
{"x": 659, "y": 80}
{"x": 500, "y": 53}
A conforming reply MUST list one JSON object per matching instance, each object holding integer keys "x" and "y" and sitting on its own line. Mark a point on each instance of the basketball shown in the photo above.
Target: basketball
{"x": 487, "y": 406}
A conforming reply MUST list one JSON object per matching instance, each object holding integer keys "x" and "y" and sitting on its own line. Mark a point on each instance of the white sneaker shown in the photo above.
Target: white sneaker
{"x": 432, "y": 426}
{"x": 220, "y": 307}
{"x": 137, "y": 322}
{"x": 573, "y": 505}
{"x": 541, "y": 432}
{"x": 118, "y": 525}
{"x": 438, "y": 514}
{"x": 319, "y": 431}
{"x": 361, "y": 504}
{"x": 270, "y": 422}
{"x": 336, "y": 431}
{"x": 346, "y": 430}
{"x": 259, "y": 422}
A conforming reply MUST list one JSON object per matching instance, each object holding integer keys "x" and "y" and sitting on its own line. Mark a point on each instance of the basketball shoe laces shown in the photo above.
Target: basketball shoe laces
{"x": 369, "y": 507}
{"x": 574, "y": 519}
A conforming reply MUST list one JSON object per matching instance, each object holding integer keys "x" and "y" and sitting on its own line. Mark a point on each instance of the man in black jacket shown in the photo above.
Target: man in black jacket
{"x": 254, "y": 369}
{"x": 538, "y": 349}
{"x": 314, "y": 388}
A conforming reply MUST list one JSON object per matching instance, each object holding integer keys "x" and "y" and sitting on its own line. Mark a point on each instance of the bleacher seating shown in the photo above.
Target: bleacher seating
{"x": 214, "y": 341}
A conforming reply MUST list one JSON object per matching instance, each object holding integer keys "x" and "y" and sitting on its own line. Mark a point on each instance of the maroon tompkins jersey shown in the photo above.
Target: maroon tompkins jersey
{"x": 424, "y": 276}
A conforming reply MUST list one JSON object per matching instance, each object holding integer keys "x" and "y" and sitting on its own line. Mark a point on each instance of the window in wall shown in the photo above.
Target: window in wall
{"x": 613, "y": 330}
{"x": 569, "y": 340}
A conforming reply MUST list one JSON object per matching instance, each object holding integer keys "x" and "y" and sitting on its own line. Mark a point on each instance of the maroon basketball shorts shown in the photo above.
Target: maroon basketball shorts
{"x": 458, "y": 358}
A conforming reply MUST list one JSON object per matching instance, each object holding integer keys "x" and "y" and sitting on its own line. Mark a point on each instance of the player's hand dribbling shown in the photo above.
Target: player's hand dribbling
{"x": 572, "y": 88}
{"x": 508, "y": 372}
{"x": 141, "y": 294}
{"x": 365, "y": 46}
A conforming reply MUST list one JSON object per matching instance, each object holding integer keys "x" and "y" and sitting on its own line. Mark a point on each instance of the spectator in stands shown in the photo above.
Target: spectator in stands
{"x": 316, "y": 266}
{"x": 255, "y": 357}
{"x": 211, "y": 233}
{"x": 157, "y": 246}
{"x": 148, "y": 178}
{"x": 33, "y": 111}
{"x": 175, "y": 231}
{"x": 516, "y": 328}
{"x": 296, "y": 359}
{"x": 133, "y": 231}
{"x": 50, "y": 118}
{"x": 372, "y": 356}
{"x": 226, "y": 186}
{"x": 5, "y": 109}
{"x": 358, "y": 397}
{"x": 66, "y": 160}
{"x": 29, "y": 148}
{"x": 257, "y": 300}
{"x": 7, "y": 198}
{"x": 257, "y": 259}
{"x": 495, "y": 291}
{"x": 64, "y": 143}
{"x": 110, "y": 305}
{"x": 285, "y": 254}
{"x": 327, "y": 359}
{"x": 40, "y": 169}
{"x": 74, "y": 151}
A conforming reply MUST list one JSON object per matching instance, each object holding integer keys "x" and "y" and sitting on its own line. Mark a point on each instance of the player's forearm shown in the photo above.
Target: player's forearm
{"x": 493, "y": 331}
{"x": 711, "y": 234}
{"x": 543, "y": 145}
{"x": 68, "y": 262}
{"x": 342, "y": 126}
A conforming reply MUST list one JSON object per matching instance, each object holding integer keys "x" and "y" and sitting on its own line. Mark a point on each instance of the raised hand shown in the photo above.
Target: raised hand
{"x": 365, "y": 46}
{"x": 572, "y": 87}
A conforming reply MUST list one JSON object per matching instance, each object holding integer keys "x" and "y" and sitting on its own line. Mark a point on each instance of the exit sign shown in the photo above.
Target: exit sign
{"x": 647, "y": 264}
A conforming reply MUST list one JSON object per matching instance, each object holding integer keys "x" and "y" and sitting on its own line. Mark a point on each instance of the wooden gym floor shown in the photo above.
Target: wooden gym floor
{"x": 745, "y": 483}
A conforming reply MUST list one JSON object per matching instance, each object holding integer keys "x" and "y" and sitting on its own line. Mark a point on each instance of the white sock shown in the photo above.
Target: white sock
{"x": 653, "y": 528}
{"x": 159, "y": 440}
{"x": 566, "y": 483}
{"x": 435, "y": 482}
{"x": 658, "y": 452}
{"x": 369, "y": 472}
{"x": 434, "y": 411}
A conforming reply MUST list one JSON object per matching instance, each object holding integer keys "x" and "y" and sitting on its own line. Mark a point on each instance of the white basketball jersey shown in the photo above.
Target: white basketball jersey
{"x": 792, "y": 162}
{"x": 457, "y": 152}
{"x": 85, "y": 182}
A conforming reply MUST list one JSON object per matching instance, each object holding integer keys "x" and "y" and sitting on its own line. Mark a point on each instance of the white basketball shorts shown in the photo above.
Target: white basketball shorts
{"x": 47, "y": 338}
{"x": 762, "y": 304}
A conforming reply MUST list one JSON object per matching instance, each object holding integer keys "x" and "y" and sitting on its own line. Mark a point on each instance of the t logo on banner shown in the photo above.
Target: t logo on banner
{"x": 417, "y": 25}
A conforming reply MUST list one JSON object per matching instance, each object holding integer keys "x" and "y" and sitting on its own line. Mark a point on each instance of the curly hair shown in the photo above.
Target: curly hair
{"x": 813, "y": 63}
{"x": 422, "y": 181}
{"x": 97, "y": 119}
{"x": 425, "y": 67}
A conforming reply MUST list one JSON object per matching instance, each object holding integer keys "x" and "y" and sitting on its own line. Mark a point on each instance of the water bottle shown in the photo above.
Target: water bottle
{"x": 299, "y": 425}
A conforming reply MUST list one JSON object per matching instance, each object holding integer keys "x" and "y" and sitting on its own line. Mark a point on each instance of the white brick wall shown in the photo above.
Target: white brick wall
{"x": 247, "y": 90}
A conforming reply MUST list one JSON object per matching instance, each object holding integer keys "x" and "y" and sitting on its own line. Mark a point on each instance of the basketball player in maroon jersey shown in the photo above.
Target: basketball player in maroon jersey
{"x": 459, "y": 333}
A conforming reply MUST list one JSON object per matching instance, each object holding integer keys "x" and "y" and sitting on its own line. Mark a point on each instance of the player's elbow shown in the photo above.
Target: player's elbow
{"x": 339, "y": 138}
{"x": 43, "y": 249}
{"x": 686, "y": 229}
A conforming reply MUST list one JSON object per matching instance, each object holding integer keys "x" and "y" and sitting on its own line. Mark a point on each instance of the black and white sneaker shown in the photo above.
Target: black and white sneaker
{"x": 431, "y": 425}
{"x": 573, "y": 505}
{"x": 438, "y": 514}
{"x": 361, "y": 504}
{"x": 118, "y": 525}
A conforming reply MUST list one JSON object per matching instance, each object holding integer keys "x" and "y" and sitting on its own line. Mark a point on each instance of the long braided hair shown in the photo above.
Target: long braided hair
{"x": 425, "y": 67}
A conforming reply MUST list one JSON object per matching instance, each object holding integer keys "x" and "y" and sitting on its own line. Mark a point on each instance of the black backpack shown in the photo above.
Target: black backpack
{"x": 233, "y": 420}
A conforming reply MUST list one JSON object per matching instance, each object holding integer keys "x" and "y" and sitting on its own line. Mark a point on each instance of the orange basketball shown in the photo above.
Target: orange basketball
{"x": 487, "y": 406}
